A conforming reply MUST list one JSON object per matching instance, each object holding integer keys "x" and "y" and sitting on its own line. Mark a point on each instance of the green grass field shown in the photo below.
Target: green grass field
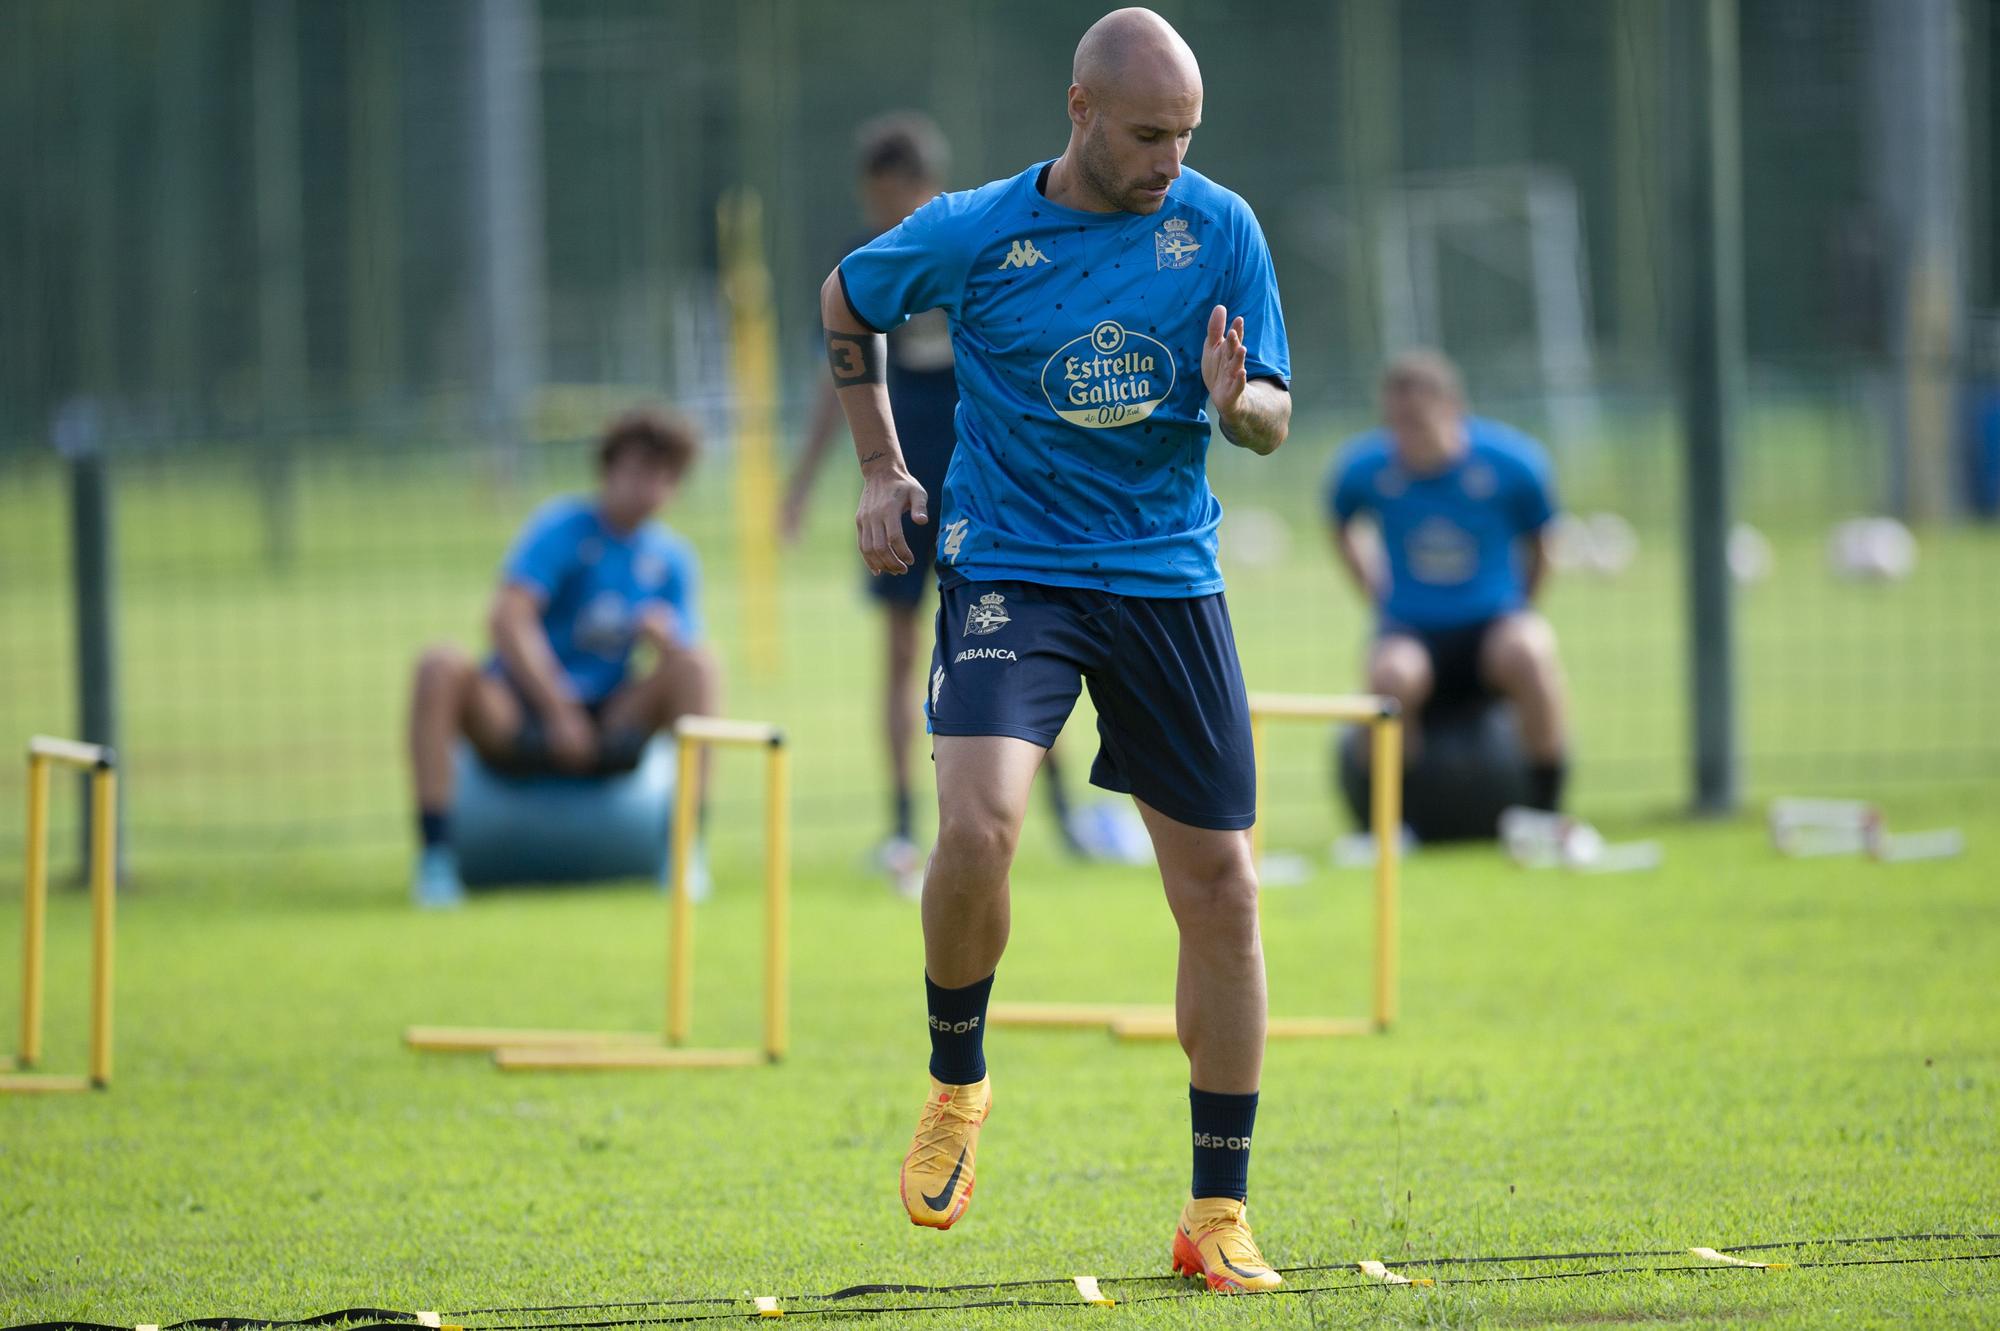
{"x": 1734, "y": 1049}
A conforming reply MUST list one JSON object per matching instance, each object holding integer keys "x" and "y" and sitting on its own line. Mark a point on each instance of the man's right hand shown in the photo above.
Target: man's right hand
{"x": 888, "y": 491}
{"x": 572, "y": 738}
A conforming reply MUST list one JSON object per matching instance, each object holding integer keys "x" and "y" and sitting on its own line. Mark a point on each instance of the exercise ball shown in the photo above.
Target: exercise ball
{"x": 1471, "y": 765}
{"x": 554, "y": 828}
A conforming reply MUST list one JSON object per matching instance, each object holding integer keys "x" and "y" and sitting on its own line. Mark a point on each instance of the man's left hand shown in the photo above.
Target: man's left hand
{"x": 1222, "y": 362}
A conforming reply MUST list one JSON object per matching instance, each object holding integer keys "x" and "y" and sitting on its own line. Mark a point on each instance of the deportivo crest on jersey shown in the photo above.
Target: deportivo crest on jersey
{"x": 1108, "y": 377}
{"x": 1174, "y": 245}
{"x": 989, "y": 615}
{"x": 1023, "y": 254}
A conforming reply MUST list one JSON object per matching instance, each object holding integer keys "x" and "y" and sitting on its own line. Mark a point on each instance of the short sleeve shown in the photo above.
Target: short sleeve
{"x": 1346, "y": 486}
{"x": 1253, "y": 294}
{"x": 914, "y": 266}
{"x": 544, "y": 552}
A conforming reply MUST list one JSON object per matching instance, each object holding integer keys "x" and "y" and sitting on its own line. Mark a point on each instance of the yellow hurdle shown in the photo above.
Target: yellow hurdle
{"x": 518, "y": 1050}
{"x": 1130, "y": 1021}
{"x": 44, "y": 755}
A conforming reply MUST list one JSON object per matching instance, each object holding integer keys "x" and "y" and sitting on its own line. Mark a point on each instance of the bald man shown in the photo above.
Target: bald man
{"x": 1107, "y": 308}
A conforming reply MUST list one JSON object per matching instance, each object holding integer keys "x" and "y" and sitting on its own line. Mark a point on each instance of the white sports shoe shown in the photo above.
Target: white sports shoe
{"x": 1111, "y": 832}
{"x": 899, "y": 858}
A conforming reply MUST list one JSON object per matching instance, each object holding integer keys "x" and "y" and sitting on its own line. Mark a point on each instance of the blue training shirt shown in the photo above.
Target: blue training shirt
{"x": 1082, "y": 433}
{"x": 593, "y": 583}
{"x": 1450, "y": 537}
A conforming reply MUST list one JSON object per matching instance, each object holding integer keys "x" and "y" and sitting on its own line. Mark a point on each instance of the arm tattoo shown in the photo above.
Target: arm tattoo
{"x": 856, "y": 358}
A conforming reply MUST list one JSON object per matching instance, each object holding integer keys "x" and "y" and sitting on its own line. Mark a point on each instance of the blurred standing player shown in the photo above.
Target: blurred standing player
{"x": 1463, "y": 506}
{"x": 1097, "y": 302}
{"x": 903, "y": 162}
{"x": 589, "y": 578}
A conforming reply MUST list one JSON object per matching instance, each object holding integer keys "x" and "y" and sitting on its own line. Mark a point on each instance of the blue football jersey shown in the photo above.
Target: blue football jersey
{"x": 593, "y": 584}
{"x": 1450, "y": 537}
{"x": 1082, "y": 429}
{"x": 923, "y": 391}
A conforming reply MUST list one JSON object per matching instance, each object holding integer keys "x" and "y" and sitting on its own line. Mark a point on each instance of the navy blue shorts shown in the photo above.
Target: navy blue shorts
{"x": 928, "y": 460}
{"x": 1454, "y": 654}
{"x": 1173, "y": 721}
{"x": 529, "y": 753}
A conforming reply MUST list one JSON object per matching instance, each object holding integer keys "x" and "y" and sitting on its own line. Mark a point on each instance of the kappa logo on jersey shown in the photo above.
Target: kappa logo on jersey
{"x": 988, "y": 616}
{"x": 1174, "y": 245}
{"x": 1023, "y": 254}
{"x": 1108, "y": 377}
{"x": 954, "y": 537}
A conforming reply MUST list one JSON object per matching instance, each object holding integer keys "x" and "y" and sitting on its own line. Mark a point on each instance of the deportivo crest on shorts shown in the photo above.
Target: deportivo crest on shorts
{"x": 988, "y": 616}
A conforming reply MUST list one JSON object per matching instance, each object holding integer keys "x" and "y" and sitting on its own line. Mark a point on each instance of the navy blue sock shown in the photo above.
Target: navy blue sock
{"x": 958, "y": 1031}
{"x": 434, "y": 828}
{"x": 1545, "y": 785}
{"x": 902, "y": 814}
{"x": 1222, "y": 1125}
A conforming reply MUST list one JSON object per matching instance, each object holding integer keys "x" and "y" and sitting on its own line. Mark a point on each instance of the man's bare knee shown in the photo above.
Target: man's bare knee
{"x": 1519, "y": 651}
{"x": 976, "y": 841}
{"x": 1401, "y": 668}
{"x": 1211, "y": 887}
{"x": 1216, "y": 905}
{"x": 442, "y": 668}
{"x": 687, "y": 681}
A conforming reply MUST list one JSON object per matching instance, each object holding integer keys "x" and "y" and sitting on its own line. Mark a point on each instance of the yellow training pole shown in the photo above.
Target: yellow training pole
{"x": 777, "y": 903}
{"x": 34, "y": 910}
{"x": 753, "y": 358}
{"x": 1386, "y": 762}
{"x": 680, "y": 941}
{"x": 103, "y": 912}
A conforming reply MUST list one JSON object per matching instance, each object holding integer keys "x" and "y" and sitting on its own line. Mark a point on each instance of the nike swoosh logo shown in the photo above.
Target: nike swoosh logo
{"x": 1247, "y": 1275}
{"x": 943, "y": 1199}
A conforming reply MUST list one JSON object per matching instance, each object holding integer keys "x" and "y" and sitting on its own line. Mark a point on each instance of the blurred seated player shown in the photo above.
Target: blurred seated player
{"x": 589, "y": 578}
{"x": 901, "y": 166}
{"x": 1462, "y": 506}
